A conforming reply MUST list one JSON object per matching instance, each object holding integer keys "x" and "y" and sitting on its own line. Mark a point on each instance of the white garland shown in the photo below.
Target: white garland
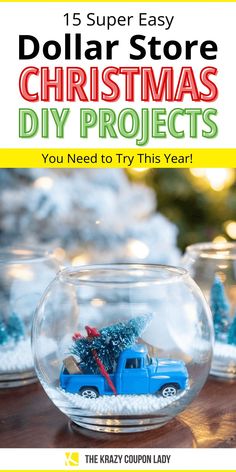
{"x": 99, "y": 211}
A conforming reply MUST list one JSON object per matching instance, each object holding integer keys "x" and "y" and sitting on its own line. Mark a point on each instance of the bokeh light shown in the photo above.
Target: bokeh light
{"x": 45, "y": 183}
{"x": 230, "y": 228}
{"x": 138, "y": 249}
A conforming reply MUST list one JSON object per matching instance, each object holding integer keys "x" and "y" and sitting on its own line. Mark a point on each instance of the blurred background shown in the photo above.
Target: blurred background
{"x": 112, "y": 215}
{"x": 201, "y": 202}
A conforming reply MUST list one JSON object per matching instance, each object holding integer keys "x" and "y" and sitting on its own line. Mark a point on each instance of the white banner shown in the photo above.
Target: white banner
{"x": 118, "y": 459}
{"x": 35, "y": 43}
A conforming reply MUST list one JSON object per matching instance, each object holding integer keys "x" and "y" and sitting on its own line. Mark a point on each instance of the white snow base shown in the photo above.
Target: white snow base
{"x": 17, "y": 358}
{"x": 225, "y": 351}
{"x": 121, "y": 404}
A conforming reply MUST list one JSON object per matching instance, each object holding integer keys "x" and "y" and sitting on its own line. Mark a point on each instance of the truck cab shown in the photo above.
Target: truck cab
{"x": 136, "y": 373}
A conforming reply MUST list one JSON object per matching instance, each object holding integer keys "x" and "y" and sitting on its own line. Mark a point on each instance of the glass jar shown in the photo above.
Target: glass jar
{"x": 213, "y": 267}
{"x": 24, "y": 275}
{"x": 132, "y": 345}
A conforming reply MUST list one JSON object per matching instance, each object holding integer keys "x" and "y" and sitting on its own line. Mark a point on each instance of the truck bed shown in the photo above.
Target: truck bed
{"x": 74, "y": 382}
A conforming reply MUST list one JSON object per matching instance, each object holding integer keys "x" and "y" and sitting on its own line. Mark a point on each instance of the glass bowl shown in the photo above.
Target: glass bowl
{"x": 133, "y": 345}
{"x": 213, "y": 267}
{"x": 24, "y": 275}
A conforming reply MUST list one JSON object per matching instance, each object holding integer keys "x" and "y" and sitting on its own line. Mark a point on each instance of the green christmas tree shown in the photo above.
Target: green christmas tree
{"x": 107, "y": 344}
{"x": 15, "y": 327}
{"x": 232, "y": 332}
{"x": 220, "y": 308}
{"x": 3, "y": 333}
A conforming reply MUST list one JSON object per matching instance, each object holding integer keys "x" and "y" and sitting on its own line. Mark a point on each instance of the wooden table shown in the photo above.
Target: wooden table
{"x": 29, "y": 419}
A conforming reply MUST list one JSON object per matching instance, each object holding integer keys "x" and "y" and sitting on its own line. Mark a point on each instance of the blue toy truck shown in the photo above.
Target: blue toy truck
{"x": 136, "y": 373}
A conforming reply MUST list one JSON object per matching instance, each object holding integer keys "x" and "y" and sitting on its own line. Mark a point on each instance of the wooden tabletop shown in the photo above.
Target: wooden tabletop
{"x": 29, "y": 419}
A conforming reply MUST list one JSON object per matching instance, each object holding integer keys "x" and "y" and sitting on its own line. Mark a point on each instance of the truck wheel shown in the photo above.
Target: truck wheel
{"x": 169, "y": 391}
{"x": 88, "y": 392}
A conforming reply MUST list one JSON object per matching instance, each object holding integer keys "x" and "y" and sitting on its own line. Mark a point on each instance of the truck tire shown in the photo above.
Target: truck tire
{"x": 89, "y": 392}
{"x": 169, "y": 390}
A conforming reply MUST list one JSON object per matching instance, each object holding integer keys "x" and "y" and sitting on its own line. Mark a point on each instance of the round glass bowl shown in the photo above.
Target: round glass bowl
{"x": 132, "y": 345}
{"x": 213, "y": 267}
{"x": 24, "y": 275}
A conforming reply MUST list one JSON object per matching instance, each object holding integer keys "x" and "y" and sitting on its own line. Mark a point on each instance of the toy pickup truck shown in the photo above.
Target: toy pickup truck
{"x": 136, "y": 373}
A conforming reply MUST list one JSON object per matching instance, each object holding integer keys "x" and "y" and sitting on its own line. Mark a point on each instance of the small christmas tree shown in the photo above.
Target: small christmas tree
{"x": 232, "y": 332}
{"x": 3, "y": 333}
{"x": 107, "y": 344}
{"x": 15, "y": 327}
{"x": 220, "y": 308}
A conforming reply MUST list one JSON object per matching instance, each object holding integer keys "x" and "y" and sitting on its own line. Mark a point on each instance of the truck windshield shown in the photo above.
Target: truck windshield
{"x": 150, "y": 360}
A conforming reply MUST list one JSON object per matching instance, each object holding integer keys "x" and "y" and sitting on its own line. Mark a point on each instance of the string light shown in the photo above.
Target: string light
{"x": 230, "y": 228}
{"x": 197, "y": 172}
{"x": 219, "y": 239}
{"x": 81, "y": 259}
{"x": 97, "y": 302}
{"x": 22, "y": 273}
{"x": 45, "y": 183}
{"x": 138, "y": 172}
{"x": 217, "y": 179}
{"x": 59, "y": 253}
{"x": 136, "y": 248}
{"x": 22, "y": 252}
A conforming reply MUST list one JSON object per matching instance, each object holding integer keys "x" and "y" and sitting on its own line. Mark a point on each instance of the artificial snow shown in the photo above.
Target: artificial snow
{"x": 121, "y": 404}
{"x": 225, "y": 351}
{"x": 18, "y": 357}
